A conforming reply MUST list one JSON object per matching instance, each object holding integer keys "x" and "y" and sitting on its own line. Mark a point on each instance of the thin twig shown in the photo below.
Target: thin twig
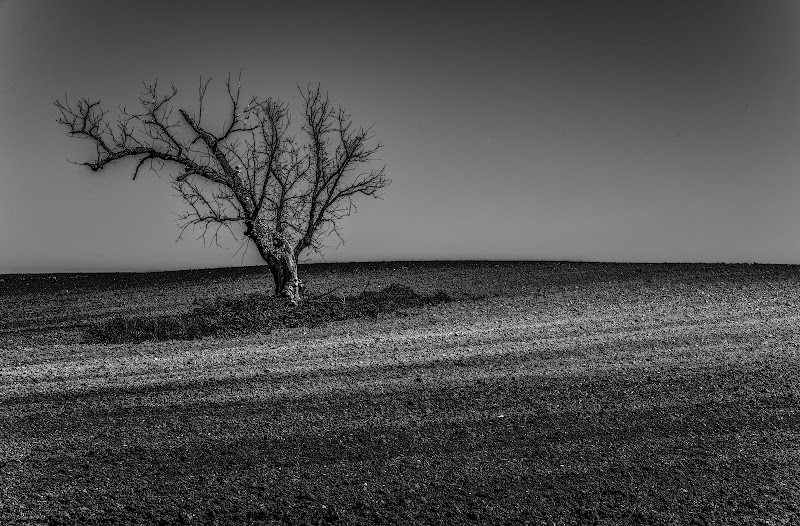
{"x": 324, "y": 294}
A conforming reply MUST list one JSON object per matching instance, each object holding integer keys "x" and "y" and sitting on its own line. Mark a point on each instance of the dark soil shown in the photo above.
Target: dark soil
{"x": 554, "y": 394}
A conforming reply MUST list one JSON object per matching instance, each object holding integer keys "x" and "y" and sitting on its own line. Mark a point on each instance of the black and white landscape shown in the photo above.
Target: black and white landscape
{"x": 568, "y": 294}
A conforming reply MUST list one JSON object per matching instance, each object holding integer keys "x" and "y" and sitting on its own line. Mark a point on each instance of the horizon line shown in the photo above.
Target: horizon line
{"x": 401, "y": 261}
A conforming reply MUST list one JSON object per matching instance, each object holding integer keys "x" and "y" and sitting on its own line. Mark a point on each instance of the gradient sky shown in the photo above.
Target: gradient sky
{"x": 571, "y": 130}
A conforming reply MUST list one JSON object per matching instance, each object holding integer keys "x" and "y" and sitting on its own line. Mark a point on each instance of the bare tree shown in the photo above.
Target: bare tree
{"x": 286, "y": 195}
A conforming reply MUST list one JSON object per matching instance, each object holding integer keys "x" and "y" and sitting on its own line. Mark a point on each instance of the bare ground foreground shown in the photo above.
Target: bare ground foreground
{"x": 546, "y": 393}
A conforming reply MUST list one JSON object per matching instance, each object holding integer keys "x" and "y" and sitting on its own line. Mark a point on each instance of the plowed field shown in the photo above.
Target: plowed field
{"x": 546, "y": 393}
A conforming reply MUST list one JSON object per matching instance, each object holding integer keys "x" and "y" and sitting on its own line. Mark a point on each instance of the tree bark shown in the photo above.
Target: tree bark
{"x": 281, "y": 262}
{"x": 284, "y": 272}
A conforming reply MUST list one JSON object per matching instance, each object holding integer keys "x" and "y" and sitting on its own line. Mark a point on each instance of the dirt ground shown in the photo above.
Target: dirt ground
{"x": 547, "y": 393}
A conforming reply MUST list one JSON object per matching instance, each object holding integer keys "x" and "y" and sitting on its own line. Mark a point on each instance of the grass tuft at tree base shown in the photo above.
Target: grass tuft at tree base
{"x": 256, "y": 313}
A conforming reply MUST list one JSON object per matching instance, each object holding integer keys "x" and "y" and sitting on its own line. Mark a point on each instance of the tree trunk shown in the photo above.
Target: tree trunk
{"x": 284, "y": 271}
{"x": 281, "y": 262}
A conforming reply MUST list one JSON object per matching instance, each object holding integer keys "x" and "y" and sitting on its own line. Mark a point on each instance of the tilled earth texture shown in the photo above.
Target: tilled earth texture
{"x": 545, "y": 393}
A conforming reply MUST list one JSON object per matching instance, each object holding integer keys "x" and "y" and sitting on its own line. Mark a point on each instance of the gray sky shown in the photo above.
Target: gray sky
{"x": 581, "y": 130}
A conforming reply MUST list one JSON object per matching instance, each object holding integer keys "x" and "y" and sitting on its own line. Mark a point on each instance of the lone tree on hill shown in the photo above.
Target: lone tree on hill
{"x": 287, "y": 196}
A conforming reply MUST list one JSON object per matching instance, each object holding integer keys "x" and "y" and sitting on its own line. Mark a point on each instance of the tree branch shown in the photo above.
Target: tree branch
{"x": 285, "y": 193}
